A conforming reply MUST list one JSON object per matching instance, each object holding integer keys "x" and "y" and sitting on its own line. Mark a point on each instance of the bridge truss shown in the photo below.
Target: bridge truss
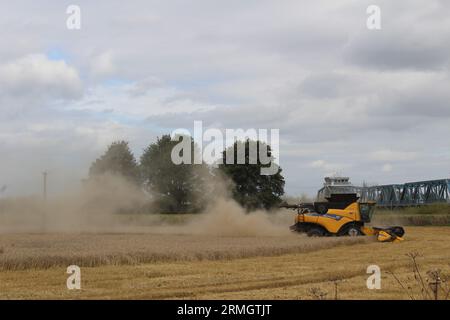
{"x": 408, "y": 194}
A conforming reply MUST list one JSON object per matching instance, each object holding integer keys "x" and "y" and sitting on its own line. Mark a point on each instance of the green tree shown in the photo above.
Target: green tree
{"x": 177, "y": 187}
{"x": 117, "y": 160}
{"x": 252, "y": 189}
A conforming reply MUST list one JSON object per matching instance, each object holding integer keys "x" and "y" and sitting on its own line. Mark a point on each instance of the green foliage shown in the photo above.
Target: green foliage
{"x": 430, "y": 209}
{"x": 252, "y": 189}
{"x": 177, "y": 187}
{"x": 437, "y": 214}
{"x": 435, "y": 208}
{"x": 117, "y": 160}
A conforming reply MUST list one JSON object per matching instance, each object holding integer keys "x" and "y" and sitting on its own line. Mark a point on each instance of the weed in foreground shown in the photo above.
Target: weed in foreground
{"x": 432, "y": 287}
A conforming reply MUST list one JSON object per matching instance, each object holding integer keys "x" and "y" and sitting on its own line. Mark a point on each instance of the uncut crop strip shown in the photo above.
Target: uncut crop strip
{"x": 41, "y": 251}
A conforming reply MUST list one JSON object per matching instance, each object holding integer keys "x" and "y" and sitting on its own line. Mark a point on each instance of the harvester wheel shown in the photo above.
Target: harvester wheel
{"x": 351, "y": 230}
{"x": 315, "y": 232}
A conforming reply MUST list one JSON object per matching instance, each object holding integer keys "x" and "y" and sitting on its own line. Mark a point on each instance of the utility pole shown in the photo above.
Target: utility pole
{"x": 44, "y": 174}
{"x": 44, "y": 195}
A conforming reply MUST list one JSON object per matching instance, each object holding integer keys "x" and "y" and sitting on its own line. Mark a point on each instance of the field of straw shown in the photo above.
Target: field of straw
{"x": 247, "y": 268}
{"x": 37, "y": 251}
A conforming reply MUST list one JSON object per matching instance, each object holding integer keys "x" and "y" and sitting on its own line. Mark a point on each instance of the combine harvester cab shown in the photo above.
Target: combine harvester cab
{"x": 338, "y": 212}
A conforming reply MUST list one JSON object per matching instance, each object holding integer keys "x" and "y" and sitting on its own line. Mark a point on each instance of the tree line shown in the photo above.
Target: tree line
{"x": 183, "y": 188}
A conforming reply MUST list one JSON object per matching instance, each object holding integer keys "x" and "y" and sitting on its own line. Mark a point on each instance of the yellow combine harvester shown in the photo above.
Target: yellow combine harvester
{"x": 342, "y": 214}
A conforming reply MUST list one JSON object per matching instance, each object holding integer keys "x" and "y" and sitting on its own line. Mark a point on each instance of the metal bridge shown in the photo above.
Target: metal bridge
{"x": 408, "y": 194}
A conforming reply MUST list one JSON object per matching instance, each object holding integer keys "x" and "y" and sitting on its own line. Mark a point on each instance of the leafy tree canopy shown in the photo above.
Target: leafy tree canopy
{"x": 252, "y": 189}
{"x": 178, "y": 187}
{"x": 117, "y": 160}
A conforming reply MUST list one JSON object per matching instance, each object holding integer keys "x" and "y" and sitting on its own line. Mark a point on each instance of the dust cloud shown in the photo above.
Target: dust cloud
{"x": 110, "y": 203}
{"x": 93, "y": 207}
{"x": 225, "y": 217}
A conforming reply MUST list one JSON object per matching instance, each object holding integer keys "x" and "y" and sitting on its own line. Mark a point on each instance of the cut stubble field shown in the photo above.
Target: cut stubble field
{"x": 168, "y": 266}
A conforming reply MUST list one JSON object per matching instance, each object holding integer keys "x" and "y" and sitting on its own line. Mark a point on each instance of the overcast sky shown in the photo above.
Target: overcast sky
{"x": 370, "y": 104}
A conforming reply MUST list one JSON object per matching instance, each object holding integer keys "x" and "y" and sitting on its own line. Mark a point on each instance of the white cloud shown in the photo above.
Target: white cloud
{"x": 36, "y": 75}
{"x": 328, "y": 168}
{"x": 138, "y": 100}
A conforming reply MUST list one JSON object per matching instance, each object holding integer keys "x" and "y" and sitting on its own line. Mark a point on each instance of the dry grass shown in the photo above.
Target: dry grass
{"x": 424, "y": 286}
{"x": 88, "y": 250}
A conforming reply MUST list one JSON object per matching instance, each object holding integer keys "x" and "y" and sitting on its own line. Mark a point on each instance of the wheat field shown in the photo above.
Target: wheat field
{"x": 270, "y": 273}
{"x": 41, "y": 251}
